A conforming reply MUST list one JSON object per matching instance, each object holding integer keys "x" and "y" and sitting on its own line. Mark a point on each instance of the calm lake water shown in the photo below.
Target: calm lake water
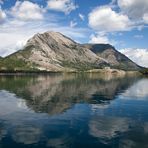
{"x": 73, "y": 111}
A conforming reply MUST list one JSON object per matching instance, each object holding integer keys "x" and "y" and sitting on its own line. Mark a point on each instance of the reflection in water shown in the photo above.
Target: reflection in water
{"x": 55, "y": 94}
{"x": 73, "y": 111}
{"x": 3, "y": 132}
{"x": 26, "y": 135}
{"x": 61, "y": 142}
{"x": 138, "y": 91}
{"x": 135, "y": 138}
{"x": 107, "y": 127}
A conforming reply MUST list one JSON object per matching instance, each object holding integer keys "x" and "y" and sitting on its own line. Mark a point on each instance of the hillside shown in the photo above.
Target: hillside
{"x": 52, "y": 51}
{"x": 115, "y": 58}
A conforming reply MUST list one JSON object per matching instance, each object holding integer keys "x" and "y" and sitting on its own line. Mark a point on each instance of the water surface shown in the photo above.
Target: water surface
{"x": 73, "y": 111}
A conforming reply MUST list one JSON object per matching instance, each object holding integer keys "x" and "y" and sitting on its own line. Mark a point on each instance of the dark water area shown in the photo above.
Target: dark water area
{"x": 73, "y": 111}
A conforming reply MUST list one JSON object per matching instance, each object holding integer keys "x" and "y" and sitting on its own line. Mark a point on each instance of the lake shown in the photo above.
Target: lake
{"x": 73, "y": 111}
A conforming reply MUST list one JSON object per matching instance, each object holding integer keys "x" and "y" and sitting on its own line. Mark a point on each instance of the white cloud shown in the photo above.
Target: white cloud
{"x": 65, "y": 6}
{"x": 105, "y": 19}
{"x": 140, "y": 56}
{"x": 145, "y": 18}
{"x": 11, "y": 43}
{"x": 27, "y": 11}
{"x": 81, "y": 16}
{"x": 15, "y": 33}
{"x": 135, "y": 9}
{"x": 2, "y": 16}
{"x": 99, "y": 39}
{"x": 73, "y": 24}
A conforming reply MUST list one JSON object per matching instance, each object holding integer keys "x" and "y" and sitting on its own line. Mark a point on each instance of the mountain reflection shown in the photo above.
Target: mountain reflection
{"x": 73, "y": 110}
{"x": 56, "y": 93}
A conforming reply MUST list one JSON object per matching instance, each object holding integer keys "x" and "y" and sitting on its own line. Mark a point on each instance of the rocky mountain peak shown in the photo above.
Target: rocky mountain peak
{"x": 53, "y": 51}
{"x": 51, "y": 37}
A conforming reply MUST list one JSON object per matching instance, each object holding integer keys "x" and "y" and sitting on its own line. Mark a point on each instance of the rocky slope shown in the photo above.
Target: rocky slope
{"x": 52, "y": 51}
{"x": 114, "y": 57}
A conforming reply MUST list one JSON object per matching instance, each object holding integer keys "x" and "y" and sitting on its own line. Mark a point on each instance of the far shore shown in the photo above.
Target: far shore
{"x": 99, "y": 71}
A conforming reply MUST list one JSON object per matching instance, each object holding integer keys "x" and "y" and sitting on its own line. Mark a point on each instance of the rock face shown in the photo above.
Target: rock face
{"x": 114, "y": 57}
{"x": 52, "y": 51}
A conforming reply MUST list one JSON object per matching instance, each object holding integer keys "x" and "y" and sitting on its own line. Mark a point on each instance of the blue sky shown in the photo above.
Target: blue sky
{"x": 118, "y": 22}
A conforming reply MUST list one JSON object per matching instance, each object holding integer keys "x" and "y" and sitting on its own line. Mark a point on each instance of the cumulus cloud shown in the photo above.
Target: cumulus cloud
{"x": 99, "y": 39}
{"x": 2, "y": 16}
{"x": 25, "y": 19}
{"x": 27, "y": 11}
{"x": 12, "y": 43}
{"x": 140, "y": 56}
{"x": 145, "y": 18}
{"x": 65, "y": 6}
{"x": 81, "y": 16}
{"x": 105, "y": 19}
{"x": 135, "y": 9}
{"x": 15, "y": 34}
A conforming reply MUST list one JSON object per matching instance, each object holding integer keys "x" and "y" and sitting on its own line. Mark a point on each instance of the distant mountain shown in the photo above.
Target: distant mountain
{"x": 114, "y": 57}
{"x": 52, "y": 51}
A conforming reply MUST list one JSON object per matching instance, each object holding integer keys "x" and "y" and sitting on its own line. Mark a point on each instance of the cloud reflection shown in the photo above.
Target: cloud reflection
{"x": 26, "y": 134}
{"x": 137, "y": 91}
{"x": 107, "y": 128}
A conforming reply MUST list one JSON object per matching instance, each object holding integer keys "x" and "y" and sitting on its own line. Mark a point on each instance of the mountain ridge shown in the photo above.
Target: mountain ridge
{"x": 114, "y": 57}
{"x": 53, "y": 51}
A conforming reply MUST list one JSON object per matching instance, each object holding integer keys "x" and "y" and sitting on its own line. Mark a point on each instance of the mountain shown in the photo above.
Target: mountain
{"x": 114, "y": 57}
{"x": 52, "y": 51}
{"x": 1, "y": 59}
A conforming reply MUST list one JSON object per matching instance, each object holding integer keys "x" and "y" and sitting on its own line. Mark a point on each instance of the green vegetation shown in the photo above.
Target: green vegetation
{"x": 17, "y": 62}
{"x": 14, "y": 64}
{"x": 144, "y": 71}
{"x": 122, "y": 66}
{"x": 82, "y": 66}
{"x": 27, "y": 52}
{"x": 1, "y": 59}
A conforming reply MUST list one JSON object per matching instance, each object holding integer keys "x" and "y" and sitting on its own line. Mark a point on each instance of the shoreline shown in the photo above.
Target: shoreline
{"x": 99, "y": 71}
